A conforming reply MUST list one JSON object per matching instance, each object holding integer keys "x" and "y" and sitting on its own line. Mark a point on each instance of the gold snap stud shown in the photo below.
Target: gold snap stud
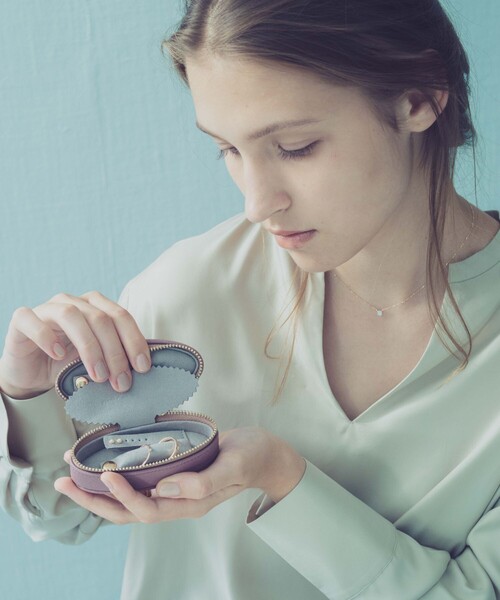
{"x": 80, "y": 382}
{"x": 109, "y": 466}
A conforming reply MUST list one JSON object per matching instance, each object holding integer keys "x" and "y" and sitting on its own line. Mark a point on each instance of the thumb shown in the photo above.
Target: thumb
{"x": 185, "y": 484}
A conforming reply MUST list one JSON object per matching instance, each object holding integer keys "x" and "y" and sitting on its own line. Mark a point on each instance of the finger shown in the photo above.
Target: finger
{"x": 99, "y": 504}
{"x": 224, "y": 472}
{"x": 144, "y": 508}
{"x": 111, "y": 361}
{"x": 187, "y": 508}
{"x": 27, "y": 330}
{"x": 127, "y": 343}
{"x": 93, "y": 333}
{"x": 154, "y": 509}
{"x": 75, "y": 324}
{"x": 128, "y": 331}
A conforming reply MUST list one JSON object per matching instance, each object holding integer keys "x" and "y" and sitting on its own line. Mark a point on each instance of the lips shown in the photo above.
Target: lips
{"x": 288, "y": 233}
{"x": 293, "y": 240}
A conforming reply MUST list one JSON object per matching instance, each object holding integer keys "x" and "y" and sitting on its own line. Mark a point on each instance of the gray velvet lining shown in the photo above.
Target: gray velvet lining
{"x": 189, "y": 433}
{"x": 160, "y": 390}
{"x": 144, "y": 455}
{"x": 167, "y": 357}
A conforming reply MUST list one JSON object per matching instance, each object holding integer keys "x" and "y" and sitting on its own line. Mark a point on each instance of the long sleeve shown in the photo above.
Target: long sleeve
{"x": 34, "y": 434}
{"x": 40, "y": 433}
{"x": 348, "y": 550}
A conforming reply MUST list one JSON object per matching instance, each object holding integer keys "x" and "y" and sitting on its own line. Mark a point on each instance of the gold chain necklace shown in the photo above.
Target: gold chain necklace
{"x": 380, "y": 311}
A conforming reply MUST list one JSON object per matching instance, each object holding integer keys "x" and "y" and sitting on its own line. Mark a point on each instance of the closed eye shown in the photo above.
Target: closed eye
{"x": 284, "y": 154}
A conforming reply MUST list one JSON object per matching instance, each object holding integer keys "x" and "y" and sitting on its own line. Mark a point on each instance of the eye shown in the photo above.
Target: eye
{"x": 284, "y": 154}
{"x": 224, "y": 151}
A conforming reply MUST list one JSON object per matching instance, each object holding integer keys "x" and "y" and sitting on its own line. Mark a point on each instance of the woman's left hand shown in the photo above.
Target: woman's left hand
{"x": 249, "y": 457}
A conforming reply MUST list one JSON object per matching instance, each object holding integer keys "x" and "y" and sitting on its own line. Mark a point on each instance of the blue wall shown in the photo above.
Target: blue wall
{"x": 102, "y": 168}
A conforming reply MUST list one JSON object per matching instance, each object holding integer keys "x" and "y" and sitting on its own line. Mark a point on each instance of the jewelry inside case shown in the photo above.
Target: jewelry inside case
{"x": 139, "y": 433}
{"x": 139, "y": 446}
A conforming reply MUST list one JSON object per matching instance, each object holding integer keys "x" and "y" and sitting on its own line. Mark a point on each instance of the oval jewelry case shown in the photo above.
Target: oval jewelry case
{"x": 139, "y": 433}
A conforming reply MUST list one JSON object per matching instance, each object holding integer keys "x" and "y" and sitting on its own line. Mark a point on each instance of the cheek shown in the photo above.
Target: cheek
{"x": 341, "y": 180}
{"x": 361, "y": 176}
{"x": 352, "y": 194}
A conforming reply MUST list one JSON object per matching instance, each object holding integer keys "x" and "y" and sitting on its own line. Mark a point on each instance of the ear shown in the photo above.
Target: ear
{"x": 416, "y": 112}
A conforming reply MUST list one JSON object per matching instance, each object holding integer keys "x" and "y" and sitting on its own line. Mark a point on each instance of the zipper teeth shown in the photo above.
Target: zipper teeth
{"x": 66, "y": 368}
{"x": 151, "y": 348}
{"x": 151, "y": 464}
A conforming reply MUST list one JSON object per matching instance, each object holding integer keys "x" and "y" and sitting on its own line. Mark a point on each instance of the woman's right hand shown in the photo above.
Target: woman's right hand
{"x": 102, "y": 333}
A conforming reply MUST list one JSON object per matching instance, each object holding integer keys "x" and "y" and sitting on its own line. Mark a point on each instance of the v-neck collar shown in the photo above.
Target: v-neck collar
{"x": 467, "y": 279}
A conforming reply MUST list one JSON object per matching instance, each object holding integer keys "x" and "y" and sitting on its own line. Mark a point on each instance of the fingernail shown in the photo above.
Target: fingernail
{"x": 101, "y": 370}
{"x": 169, "y": 489}
{"x": 59, "y": 350}
{"x": 123, "y": 382}
{"x": 142, "y": 362}
{"x": 109, "y": 485}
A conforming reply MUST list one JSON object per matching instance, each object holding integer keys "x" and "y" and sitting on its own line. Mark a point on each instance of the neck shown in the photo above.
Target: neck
{"x": 393, "y": 265}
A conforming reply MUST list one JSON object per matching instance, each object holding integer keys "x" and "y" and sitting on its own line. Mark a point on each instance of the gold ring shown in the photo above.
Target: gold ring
{"x": 148, "y": 456}
{"x": 165, "y": 439}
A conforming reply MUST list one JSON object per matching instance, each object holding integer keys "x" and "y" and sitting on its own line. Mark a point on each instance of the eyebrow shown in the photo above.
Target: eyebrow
{"x": 268, "y": 129}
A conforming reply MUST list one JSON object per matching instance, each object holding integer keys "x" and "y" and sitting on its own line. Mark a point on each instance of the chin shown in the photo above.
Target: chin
{"x": 309, "y": 265}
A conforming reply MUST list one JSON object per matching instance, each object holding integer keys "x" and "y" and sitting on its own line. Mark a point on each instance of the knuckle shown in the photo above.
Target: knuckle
{"x": 100, "y": 319}
{"x": 88, "y": 346}
{"x": 60, "y": 297}
{"x": 68, "y": 311}
{"x": 20, "y": 312}
{"x": 118, "y": 359}
{"x": 203, "y": 489}
{"x": 121, "y": 313}
{"x": 92, "y": 294}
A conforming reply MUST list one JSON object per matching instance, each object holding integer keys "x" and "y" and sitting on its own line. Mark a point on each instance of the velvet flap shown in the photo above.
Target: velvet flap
{"x": 153, "y": 393}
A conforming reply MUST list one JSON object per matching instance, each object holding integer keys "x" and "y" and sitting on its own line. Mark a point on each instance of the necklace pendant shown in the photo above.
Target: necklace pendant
{"x": 379, "y": 313}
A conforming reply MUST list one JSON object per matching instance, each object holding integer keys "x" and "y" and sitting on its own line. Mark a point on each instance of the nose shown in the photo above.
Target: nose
{"x": 264, "y": 193}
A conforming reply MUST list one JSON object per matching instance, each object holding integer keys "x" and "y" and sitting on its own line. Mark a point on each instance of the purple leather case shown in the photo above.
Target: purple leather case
{"x": 139, "y": 433}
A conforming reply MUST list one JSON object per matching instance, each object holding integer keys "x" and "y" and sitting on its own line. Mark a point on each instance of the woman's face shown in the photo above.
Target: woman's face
{"x": 341, "y": 175}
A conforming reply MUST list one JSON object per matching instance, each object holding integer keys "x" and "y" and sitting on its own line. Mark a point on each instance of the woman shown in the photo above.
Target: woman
{"x": 374, "y": 445}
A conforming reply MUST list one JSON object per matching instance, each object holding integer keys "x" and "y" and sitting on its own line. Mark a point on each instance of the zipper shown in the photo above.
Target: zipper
{"x": 80, "y": 441}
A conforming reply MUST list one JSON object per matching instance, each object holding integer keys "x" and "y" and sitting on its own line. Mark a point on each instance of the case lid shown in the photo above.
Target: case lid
{"x": 171, "y": 381}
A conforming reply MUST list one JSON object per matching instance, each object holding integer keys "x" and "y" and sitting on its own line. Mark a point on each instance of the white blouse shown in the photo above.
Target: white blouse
{"x": 403, "y": 502}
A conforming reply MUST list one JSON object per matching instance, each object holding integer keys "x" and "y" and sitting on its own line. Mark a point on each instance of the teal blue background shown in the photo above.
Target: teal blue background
{"x": 102, "y": 168}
